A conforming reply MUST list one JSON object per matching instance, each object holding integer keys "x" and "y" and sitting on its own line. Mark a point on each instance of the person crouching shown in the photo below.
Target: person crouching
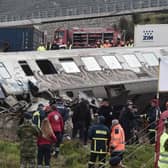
{"x": 44, "y": 144}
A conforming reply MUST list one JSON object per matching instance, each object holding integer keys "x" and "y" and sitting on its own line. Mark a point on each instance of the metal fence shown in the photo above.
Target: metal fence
{"x": 112, "y": 6}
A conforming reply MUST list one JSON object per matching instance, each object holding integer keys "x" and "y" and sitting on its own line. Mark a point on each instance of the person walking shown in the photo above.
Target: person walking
{"x": 28, "y": 133}
{"x": 44, "y": 144}
{"x": 117, "y": 142}
{"x": 99, "y": 135}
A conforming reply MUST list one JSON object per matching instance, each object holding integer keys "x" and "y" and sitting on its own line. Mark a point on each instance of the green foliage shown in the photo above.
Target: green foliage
{"x": 74, "y": 155}
{"x": 9, "y": 153}
{"x": 127, "y": 27}
{"x": 139, "y": 156}
{"x": 151, "y": 18}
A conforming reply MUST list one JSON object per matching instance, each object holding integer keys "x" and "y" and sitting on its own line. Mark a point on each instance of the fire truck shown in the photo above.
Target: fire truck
{"x": 84, "y": 37}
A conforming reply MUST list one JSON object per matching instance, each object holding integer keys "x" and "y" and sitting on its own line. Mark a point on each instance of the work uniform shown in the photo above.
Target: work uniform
{"x": 41, "y": 48}
{"x": 38, "y": 117}
{"x": 28, "y": 133}
{"x": 117, "y": 141}
{"x": 163, "y": 158}
{"x": 57, "y": 125}
{"x": 99, "y": 134}
{"x": 63, "y": 111}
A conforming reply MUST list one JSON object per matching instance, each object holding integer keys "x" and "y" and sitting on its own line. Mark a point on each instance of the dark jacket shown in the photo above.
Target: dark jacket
{"x": 108, "y": 114}
{"x": 81, "y": 114}
{"x": 63, "y": 111}
{"x": 152, "y": 115}
{"x": 100, "y": 135}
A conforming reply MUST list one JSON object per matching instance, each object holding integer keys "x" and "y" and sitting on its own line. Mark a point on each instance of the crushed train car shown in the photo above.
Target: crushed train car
{"x": 117, "y": 73}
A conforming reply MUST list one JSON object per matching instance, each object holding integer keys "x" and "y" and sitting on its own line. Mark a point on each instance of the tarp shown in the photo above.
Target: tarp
{"x": 163, "y": 72}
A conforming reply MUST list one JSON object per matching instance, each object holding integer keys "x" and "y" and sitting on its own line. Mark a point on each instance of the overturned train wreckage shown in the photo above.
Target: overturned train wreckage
{"x": 116, "y": 73}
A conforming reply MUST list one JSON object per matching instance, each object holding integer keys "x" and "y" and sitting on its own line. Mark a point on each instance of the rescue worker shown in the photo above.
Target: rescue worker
{"x": 163, "y": 158}
{"x": 28, "y": 133}
{"x": 39, "y": 115}
{"x": 117, "y": 142}
{"x": 153, "y": 115}
{"x": 62, "y": 109}
{"x": 160, "y": 129}
{"x": 99, "y": 135}
{"x": 41, "y": 47}
{"x": 81, "y": 120}
{"x": 57, "y": 125}
{"x": 127, "y": 119}
{"x": 106, "y": 111}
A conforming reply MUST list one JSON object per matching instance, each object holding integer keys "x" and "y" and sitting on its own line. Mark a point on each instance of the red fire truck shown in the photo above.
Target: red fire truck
{"x": 84, "y": 37}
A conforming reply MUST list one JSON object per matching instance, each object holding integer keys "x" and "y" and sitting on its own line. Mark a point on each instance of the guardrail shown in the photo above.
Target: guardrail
{"x": 74, "y": 10}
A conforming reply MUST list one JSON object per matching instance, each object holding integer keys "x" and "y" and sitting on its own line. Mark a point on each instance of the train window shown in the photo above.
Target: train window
{"x": 150, "y": 59}
{"x": 69, "y": 65}
{"x": 4, "y": 72}
{"x": 46, "y": 67}
{"x": 26, "y": 68}
{"x": 112, "y": 62}
{"x": 91, "y": 64}
{"x": 132, "y": 60}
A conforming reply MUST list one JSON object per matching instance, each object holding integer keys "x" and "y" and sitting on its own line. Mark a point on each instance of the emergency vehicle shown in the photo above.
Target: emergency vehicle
{"x": 84, "y": 37}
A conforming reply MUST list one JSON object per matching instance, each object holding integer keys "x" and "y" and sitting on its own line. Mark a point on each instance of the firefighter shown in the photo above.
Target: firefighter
{"x": 99, "y": 135}
{"x": 117, "y": 143}
{"x": 163, "y": 158}
{"x": 38, "y": 115}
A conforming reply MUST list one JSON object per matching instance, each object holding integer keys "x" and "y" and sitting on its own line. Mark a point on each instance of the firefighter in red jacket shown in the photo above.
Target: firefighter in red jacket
{"x": 57, "y": 125}
{"x": 117, "y": 144}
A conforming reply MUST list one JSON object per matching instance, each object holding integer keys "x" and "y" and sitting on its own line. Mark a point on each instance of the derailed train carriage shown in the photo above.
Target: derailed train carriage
{"x": 116, "y": 73}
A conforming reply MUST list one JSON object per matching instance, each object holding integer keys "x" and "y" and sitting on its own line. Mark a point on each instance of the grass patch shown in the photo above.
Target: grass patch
{"x": 9, "y": 153}
{"x": 73, "y": 154}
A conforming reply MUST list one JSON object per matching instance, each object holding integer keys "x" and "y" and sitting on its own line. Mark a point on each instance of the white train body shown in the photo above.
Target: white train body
{"x": 97, "y": 72}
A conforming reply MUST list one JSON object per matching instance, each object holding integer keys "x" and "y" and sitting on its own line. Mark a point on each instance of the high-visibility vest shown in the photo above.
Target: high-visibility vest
{"x": 163, "y": 158}
{"x": 41, "y": 48}
{"x": 37, "y": 114}
{"x": 117, "y": 140}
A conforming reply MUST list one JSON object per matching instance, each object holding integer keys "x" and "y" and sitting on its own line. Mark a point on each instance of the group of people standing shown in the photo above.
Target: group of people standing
{"x": 108, "y": 131}
{"x": 40, "y": 130}
{"x": 103, "y": 129}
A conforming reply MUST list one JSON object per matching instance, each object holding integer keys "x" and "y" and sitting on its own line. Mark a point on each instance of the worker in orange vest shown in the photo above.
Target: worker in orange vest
{"x": 117, "y": 144}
